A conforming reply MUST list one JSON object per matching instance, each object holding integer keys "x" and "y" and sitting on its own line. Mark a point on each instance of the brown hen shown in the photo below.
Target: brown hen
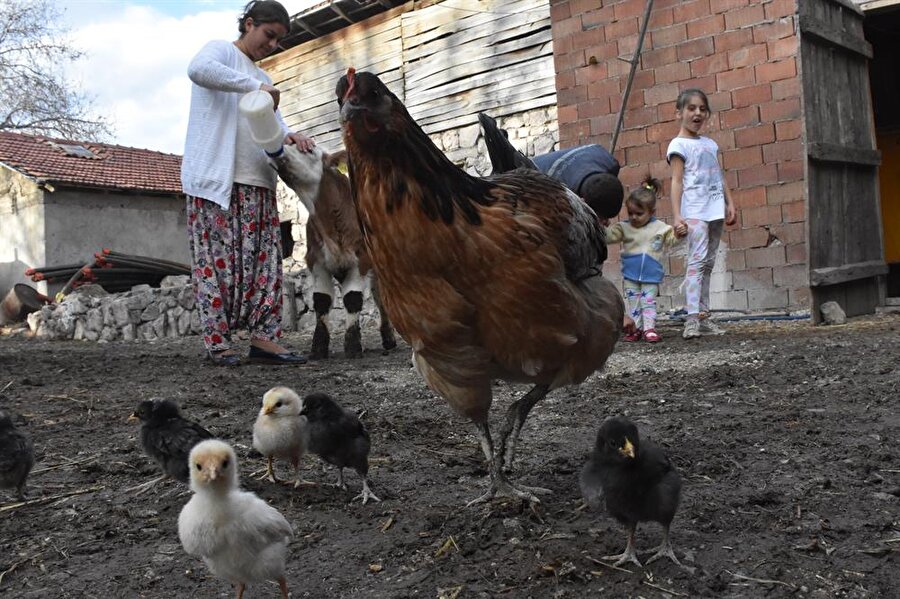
{"x": 485, "y": 278}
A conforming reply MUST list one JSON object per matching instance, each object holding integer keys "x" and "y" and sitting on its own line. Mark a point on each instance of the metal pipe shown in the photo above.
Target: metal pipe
{"x": 634, "y": 63}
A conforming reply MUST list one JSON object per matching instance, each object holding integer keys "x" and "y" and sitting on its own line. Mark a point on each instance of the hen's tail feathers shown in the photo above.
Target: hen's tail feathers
{"x": 504, "y": 157}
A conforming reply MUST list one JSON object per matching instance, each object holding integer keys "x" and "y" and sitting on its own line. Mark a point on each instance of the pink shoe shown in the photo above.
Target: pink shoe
{"x": 632, "y": 336}
{"x": 651, "y": 336}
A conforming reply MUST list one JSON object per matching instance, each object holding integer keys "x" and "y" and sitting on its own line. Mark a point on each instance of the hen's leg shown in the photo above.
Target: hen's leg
{"x": 515, "y": 418}
{"x": 500, "y": 485}
{"x": 282, "y": 584}
{"x": 629, "y": 554}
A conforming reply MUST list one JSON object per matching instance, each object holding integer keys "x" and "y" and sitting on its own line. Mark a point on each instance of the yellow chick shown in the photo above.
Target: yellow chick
{"x": 240, "y": 537}
{"x": 280, "y": 431}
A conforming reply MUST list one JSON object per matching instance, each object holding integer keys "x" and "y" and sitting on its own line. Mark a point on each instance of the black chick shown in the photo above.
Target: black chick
{"x": 167, "y": 438}
{"x": 16, "y": 456}
{"x": 337, "y": 436}
{"x": 636, "y": 479}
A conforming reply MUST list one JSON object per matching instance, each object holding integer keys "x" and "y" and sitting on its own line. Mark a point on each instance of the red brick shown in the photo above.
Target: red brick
{"x": 777, "y": 111}
{"x": 563, "y": 45}
{"x": 589, "y": 74}
{"x": 668, "y": 36}
{"x": 632, "y": 137}
{"x": 735, "y": 78}
{"x": 763, "y": 215}
{"x": 748, "y": 56}
{"x": 678, "y": 71}
{"x": 689, "y": 10}
{"x": 752, "y": 278}
{"x": 735, "y": 259}
{"x": 603, "y": 89}
{"x": 593, "y": 108}
{"x": 640, "y": 118}
{"x": 765, "y": 174}
{"x": 566, "y": 27}
{"x": 790, "y": 233}
{"x": 565, "y": 79}
{"x": 559, "y": 11}
{"x": 707, "y": 84}
{"x": 741, "y": 159}
{"x": 572, "y": 60}
{"x": 642, "y": 79}
{"x": 776, "y": 71}
{"x": 603, "y": 125}
{"x": 774, "y": 31}
{"x": 583, "y": 6}
{"x": 796, "y": 254}
{"x": 591, "y": 37}
{"x": 753, "y": 197}
{"x": 657, "y": 57}
{"x": 791, "y": 170}
{"x": 617, "y": 68}
{"x": 785, "y": 193}
{"x": 662, "y": 132}
{"x": 695, "y": 48}
{"x": 766, "y": 256}
{"x": 777, "y": 49}
{"x": 732, "y": 40}
{"x": 596, "y": 17}
{"x": 706, "y": 26}
{"x": 573, "y": 131}
{"x": 718, "y": 6}
{"x": 783, "y": 150}
{"x": 745, "y": 17}
{"x": 618, "y": 29}
{"x": 567, "y": 114}
{"x": 660, "y": 18}
{"x": 754, "y": 136}
{"x": 788, "y": 130}
{"x": 629, "y": 8}
{"x": 742, "y": 239}
{"x": 719, "y": 102}
{"x": 787, "y": 88}
{"x": 636, "y": 99}
{"x": 753, "y": 95}
{"x": 602, "y": 52}
{"x": 740, "y": 117}
{"x": 709, "y": 65}
{"x": 661, "y": 93}
{"x": 794, "y": 212}
{"x": 642, "y": 154}
{"x": 571, "y": 96}
{"x": 781, "y": 8}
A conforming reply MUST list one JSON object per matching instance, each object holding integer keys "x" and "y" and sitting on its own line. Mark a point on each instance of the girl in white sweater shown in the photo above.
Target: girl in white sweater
{"x": 231, "y": 209}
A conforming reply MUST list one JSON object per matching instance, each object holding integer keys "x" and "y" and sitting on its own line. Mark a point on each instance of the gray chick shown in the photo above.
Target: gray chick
{"x": 16, "y": 456}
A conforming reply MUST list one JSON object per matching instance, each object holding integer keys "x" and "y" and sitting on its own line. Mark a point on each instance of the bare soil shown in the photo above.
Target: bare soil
{"x": 785, "y": 434}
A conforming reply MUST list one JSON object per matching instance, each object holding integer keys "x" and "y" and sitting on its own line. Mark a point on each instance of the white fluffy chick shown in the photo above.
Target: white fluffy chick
{"x": 280, "y": 431}
{"x": 240, "y": 537}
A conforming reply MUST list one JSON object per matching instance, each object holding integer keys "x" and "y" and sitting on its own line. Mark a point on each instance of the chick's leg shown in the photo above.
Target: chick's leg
{"x": 664, "y": 549}
{"x": 240, "y": 590}
{"x": 270, "y": 470}
{"x": 282, "y": 584}
{"x": 629, "y": 554}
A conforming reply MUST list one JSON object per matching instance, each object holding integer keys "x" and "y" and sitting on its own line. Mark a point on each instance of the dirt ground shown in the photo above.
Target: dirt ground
{"x": 785, "y": 434}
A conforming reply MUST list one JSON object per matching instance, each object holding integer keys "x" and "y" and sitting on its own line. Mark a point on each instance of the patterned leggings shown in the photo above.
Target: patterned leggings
{"x": 640, "y": 301}
{"x": 703, "y": 243}
{"x": 236, "y": 265}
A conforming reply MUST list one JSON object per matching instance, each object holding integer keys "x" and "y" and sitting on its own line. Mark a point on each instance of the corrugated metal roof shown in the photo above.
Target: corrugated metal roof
{"x": 89, "y": 164}
{"x": 327, "y": 16}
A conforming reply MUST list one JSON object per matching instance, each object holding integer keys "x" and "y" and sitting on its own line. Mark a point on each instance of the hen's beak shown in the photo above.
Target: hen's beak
{"x": 627, "y": 450}
{"x": 132, "y": 418}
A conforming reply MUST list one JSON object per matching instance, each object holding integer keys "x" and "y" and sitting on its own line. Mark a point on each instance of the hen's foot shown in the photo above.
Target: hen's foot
{"x": 626, "y": 556}
{"x": 664, "y": 550}
{"x": 366, "y": 494}
{"x": 504, "y": 488}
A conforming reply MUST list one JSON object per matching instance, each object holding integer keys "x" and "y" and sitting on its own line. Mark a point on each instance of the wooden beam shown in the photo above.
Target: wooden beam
{"x": 342, "y": 14}
{"x": 307, "y": 27}
{"x": 833, "y": 275}
{"x": 820, "y": 30}
{"x": 827, "y": 152}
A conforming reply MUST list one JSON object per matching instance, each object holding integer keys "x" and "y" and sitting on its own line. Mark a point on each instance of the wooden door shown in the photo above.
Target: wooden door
{"x": 846, "y": 255}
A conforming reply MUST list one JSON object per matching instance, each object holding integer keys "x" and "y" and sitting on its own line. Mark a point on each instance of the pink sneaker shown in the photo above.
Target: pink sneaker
{"x": 651, "y": 336}
{"x": 632, "y": 336}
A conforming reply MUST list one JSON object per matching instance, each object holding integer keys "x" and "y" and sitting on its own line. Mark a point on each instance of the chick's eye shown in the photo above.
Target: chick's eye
{"x": 612, "y": 444}
{"x": 199, "y": 467}
{"x": 277, "y": 404}
{"x": 225, "y": 463}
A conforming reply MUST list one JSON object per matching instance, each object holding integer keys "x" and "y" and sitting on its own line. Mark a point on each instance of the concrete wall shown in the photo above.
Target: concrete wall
{"x": 744, "y": 55}
{"x": 21, "y": 228}
{"x": 40, "y": 228}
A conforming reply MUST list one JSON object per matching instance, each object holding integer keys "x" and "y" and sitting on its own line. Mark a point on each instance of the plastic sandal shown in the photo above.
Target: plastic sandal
{"x": 651, "y": 336}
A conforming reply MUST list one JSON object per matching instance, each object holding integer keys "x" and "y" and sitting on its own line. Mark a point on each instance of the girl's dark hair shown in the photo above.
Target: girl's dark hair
{"x": 264, "y": 11}
{"x": 686, "y": 95}
{"x": 645, "y": 195}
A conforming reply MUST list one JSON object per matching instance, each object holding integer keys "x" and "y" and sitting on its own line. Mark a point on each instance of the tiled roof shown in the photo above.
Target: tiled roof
{"x": 88, "y": 164}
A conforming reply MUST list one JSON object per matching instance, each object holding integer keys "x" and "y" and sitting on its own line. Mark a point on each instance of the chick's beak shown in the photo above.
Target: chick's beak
{"x": 267, "y": 410}
{"x": 132, "y": 418}
{"x": 627, "y": 449}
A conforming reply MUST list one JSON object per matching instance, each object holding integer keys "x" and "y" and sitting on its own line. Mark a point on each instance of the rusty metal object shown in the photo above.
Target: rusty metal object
{"x": 21, "y": 301}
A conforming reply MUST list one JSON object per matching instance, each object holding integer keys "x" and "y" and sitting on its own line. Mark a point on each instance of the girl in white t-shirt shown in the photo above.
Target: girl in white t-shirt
{"x": 701, "y": 205}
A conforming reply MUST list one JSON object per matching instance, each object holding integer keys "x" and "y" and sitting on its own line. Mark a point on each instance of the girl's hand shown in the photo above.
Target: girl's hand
{"x": 304, "y": 144}
{"x": 680, "y": 226}
{"x": 730, "y": 214}
{"x": 273, "y": 91}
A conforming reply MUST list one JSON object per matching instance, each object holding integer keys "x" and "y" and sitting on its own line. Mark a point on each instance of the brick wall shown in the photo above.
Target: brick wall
{"x": 744, "y": 55}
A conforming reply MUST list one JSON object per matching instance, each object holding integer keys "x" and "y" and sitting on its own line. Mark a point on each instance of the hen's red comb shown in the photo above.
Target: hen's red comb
{"x": 351, "y": 80}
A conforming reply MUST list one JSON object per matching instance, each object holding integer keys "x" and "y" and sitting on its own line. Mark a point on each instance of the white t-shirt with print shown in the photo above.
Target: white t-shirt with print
{"x": 703, "y": 193}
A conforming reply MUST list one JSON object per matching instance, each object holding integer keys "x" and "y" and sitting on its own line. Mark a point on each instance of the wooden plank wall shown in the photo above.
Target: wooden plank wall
{"x": 447, "y": 61}
{"x": 843, "y": 214}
